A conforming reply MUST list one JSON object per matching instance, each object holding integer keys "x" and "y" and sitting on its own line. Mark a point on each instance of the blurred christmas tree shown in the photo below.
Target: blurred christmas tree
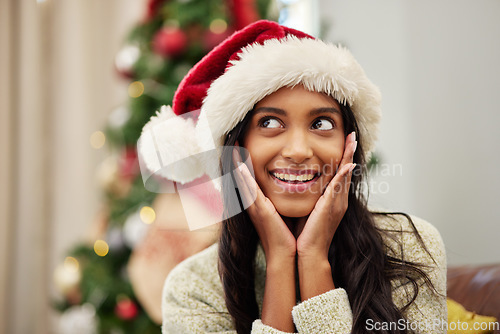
{"x": 98, "y": 296}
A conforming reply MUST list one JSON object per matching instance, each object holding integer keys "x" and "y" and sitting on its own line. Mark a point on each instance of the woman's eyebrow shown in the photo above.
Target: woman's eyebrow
{"x": 270, "y": 109}
{"x": 318, "y": 111}
{"x": 313, "y": 112}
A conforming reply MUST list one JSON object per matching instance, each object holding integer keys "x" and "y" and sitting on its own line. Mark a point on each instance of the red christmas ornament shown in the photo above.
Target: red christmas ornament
{"x": 152, "y": 8}
{"x": 126, "y": 309}
{"x": 170, "y": 42}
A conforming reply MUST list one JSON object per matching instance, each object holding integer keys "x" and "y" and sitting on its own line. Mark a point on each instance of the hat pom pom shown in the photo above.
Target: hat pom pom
{"x": 168, "y": 147}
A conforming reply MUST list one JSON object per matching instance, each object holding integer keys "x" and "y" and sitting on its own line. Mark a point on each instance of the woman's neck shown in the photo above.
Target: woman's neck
{"x": 295, "y": 224}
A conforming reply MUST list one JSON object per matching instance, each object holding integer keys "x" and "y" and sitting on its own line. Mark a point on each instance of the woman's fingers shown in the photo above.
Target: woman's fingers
{"x": 251, "y": 190}
{"x": 342, "y": 179}
{"x": 275, "y": 236}
{"x": 245, "y": 182}
{"x": 350, "y": 147}
{"x": 340, "y": 182}
{"x": 323, "y": 221}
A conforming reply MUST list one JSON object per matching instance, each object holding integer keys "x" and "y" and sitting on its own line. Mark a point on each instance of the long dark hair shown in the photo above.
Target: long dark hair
{"x": 358, "y": 257}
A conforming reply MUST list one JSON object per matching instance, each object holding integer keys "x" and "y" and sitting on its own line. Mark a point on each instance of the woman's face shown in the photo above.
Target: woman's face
{"x": 296, "y": 140}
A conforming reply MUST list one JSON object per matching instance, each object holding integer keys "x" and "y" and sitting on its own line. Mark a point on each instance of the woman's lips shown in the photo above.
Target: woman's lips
{"x": 294, "y": 180}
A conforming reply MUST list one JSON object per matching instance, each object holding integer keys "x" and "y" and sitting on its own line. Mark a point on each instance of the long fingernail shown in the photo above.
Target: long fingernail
{"x": 353, "y": 138}
{"x": 352, "y": 168}
{"x": 355, "y": 147}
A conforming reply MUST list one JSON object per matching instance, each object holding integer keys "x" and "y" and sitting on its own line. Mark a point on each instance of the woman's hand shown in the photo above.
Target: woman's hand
{"x": 313, "y": 243}
{"x": 274, "y": 234}
{"x": 279, "y": 247}
{"x": 320, "y": 227}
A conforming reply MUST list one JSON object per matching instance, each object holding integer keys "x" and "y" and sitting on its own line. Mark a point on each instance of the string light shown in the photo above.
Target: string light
{"x": 97, "y": 139}
{"x": 147, "y": 215}
{"x": 101, "y": 248}
{"x": 136, "y": 89}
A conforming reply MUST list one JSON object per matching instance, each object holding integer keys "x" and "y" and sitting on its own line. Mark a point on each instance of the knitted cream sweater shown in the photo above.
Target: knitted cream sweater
{"x": 193, "y": 299}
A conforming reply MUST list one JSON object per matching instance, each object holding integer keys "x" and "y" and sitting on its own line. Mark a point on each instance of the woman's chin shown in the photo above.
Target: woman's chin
{"x": 294, "y": 211}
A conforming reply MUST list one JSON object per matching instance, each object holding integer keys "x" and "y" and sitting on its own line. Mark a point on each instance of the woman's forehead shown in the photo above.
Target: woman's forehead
{"x": 298, "y": 94}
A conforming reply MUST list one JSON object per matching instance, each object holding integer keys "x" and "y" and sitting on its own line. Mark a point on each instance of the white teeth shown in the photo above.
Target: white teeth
{"x": 294, "y": 177}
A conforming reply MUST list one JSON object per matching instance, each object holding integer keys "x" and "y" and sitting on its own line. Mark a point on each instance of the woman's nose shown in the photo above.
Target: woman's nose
{"x": 296, "y": 147}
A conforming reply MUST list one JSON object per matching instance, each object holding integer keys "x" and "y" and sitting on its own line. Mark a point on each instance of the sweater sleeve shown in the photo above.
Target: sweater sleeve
{"x": 329, "y": 312}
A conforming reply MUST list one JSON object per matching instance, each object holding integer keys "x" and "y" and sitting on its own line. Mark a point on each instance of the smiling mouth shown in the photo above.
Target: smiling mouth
{"x": 295, "y": 178}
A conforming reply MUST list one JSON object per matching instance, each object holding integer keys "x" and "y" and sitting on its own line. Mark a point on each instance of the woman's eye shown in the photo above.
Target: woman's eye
{"x": 270, "y": 123}
{"x": 323, "y": 124}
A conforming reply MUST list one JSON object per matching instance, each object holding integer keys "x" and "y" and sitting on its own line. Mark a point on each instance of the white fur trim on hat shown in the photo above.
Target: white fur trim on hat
{"x": 168, "y": 147}
{"x": 262, "y": 69}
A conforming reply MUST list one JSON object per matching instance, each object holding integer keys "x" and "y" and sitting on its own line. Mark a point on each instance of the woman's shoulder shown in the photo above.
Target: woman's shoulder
{"x": 196, "y": 277}
{"x": 426, "y": 250}
{"x": 202, "y": 265}
{"x": 403, "y": 222}
{"x": 194, "y": 287}
{"x": 398, "y": 233}
{"x": 193, "y": 297}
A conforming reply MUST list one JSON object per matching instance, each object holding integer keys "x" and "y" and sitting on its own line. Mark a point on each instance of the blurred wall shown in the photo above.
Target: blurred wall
{"x": 58, "y": 86}
{"x": 436, "y": 63}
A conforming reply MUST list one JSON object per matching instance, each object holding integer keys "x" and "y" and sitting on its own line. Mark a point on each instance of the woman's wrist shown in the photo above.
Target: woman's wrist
{"x": 319, "y": 254}
{"x": 279, "y": 254}
{"x": 315, "y": 276}
{"x": 314, "y": 264}
{"x": 279, "y": 262}
{"x": 279, "y": 293}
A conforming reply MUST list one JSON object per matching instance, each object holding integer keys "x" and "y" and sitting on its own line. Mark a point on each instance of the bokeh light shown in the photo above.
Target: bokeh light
{"x": 71, "y": 264}
{"x": 136, "y": 89}
{"x": 97, "y": 139}
{"x": 218, "y": 26}
{"x": 101, "y": 248}
{"x": 148, "y": 215}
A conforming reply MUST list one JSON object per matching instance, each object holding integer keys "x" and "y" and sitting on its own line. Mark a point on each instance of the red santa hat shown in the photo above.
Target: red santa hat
{"x": 184, "y": 142}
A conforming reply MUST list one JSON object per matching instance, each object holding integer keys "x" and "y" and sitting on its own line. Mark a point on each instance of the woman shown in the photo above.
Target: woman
{"x": 304, "y": 254}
